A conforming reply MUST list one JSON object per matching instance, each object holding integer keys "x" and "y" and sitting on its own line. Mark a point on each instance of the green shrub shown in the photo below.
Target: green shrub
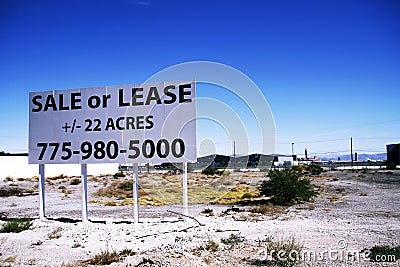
{"x": 211, "y": 170}
{"x": 299, "y": 168}
{"x": 384, "y": 254}
{"x": 119, "y": 174}
{"x": 16, "y": 225}
{"x": 226, "y": 173}
{"x": 286, "y": 187}
{"x": 314, "y": 169}
{"x": 233, "y": 239}
{"x": 128, "y": 185}
{"x": 391, "y": 166}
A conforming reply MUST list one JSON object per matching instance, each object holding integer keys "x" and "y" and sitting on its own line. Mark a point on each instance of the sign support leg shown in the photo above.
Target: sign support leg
{"x": 41, "y": 192}
{"x": 135, "y": 193}
{"x": 185, "y": 189}
{"x": 84, "y": 193}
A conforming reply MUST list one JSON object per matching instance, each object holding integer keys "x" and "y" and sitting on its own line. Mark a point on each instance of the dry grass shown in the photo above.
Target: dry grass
{"x": 283, "y": 249}
{"x": 120, "y": 190}
{"x": 58, "y": 177}
{"x": 334, "y": 199}
{"x": 268, "y": 210}
{"x": 107, "y": 257}
{"x": 233, "y": 239}
{"x": 33, "y": 179}
{"x": 55, "y": 234}
{"x": 10, "y": 191}
{"x": 2, "y": 241}
{"x": 8, "y": 261}
{"x": 15, "y": 190}
{"x": 166, "y": 189}
{"x": 238, "y": 194}
{"x": 209, "y": 245}
{"x": 143, "y": 201}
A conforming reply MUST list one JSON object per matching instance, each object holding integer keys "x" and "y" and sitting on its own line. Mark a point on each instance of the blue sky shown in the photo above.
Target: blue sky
{"x": 330, "y": 70}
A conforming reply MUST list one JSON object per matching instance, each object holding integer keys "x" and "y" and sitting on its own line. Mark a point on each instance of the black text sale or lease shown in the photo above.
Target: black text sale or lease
{"x": 152, "y": 122}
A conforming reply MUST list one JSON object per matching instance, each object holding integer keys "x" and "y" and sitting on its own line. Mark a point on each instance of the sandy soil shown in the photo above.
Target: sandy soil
{"x": 353, "y": 211}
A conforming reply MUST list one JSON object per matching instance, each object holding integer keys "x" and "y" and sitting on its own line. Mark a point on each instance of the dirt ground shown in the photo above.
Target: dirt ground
{"x": 354, "y": 211}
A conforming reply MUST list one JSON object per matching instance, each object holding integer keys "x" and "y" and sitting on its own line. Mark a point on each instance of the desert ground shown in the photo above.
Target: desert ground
{"x": 354, "y": 211}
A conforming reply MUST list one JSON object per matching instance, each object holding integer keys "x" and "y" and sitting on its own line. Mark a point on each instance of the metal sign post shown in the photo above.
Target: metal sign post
{"x": 185, "y": 189}
{"x": 136, "y": 193}
{"x": 41, "y": 192}
{"x": 84, "y": 193}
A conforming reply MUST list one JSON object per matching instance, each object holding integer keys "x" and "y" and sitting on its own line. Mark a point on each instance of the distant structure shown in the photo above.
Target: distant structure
{"x": 393, "y": 153}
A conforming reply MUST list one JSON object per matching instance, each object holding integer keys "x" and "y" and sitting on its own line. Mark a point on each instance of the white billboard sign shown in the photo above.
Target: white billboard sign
{"x": 138, "y": 123}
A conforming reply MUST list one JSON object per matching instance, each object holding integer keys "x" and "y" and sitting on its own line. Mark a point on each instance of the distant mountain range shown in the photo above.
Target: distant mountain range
{"x": 361, "y": 157}
{"x": 256, "y": 157}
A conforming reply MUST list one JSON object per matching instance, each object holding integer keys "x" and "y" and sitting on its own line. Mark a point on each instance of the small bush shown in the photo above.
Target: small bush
{"x": 75, "y": 181}
{"x": 107, "y": 257}
{"x": 233, "y": 239}
{"x": 285, "y": 253}
{"x": 111, "y": 203}
{"x": 127, "y": 252}
{"x": 55, "y": 234}
{"x": 16, "y": 225}
{"x": 211, "y": 245}
{"x": 391, "y": 165}
{"x": 384, "y": 254}
{"x": 267, "y": 210}
{"x": 286, "y": 187}
{"x": 211, "y": 170}
{"x": 128, "y": 185}
{"x": 314, "y": 169}
{"x": 300, "y": 168}
{"x": 30, "y": 190}
{"x": 58, "y": 177}
{"x": 119, "y": 174}
{"x": 9, "y": 179}
{"x": 226, "y": 173}
{"x": 207, "y": 211}
{"x": 10, "y": 191}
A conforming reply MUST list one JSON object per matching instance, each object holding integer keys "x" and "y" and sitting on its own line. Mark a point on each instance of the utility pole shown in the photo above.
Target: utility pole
{"x": 293, "y": 156}
{"x": 351, "y": 151}
{"x": 234, "y": 155}
{"x": 292, "y": 149}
